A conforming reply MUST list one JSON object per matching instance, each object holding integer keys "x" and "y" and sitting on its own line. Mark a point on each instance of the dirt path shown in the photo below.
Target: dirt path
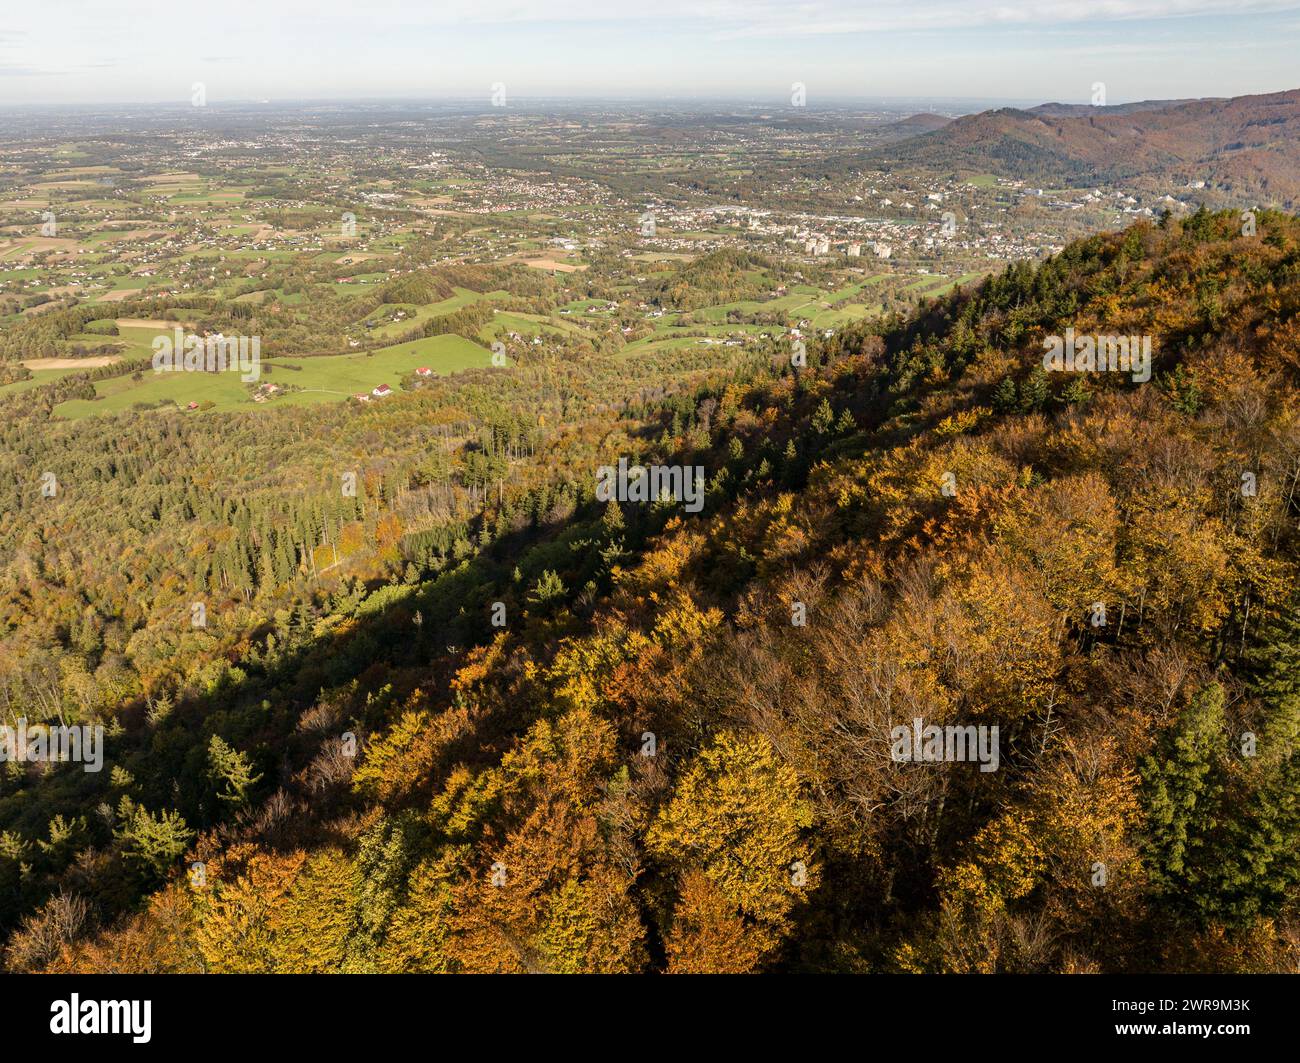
{"x": 72, "y": 363}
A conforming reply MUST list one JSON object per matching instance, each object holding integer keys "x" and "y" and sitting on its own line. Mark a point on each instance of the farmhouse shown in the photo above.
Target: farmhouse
{"x": 424, "y": 371}
{"x": 381, "y": 391}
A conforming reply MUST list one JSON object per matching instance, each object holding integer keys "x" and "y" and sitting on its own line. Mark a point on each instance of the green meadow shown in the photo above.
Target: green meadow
{"x": 527, "y": 325}
{"x": 132, "y": 341}
{"x": 38, "y": 377}
{"x": 418, "y": 315}
{"x": 329, "y": 378}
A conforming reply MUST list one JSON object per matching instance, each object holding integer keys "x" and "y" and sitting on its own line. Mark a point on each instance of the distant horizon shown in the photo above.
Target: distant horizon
{"x": 71, "y": 54}
{"x": 900, "y": 102}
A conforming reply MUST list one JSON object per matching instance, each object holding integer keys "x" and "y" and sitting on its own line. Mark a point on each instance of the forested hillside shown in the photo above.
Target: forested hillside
{"x": 543, "y": 733}
{"x": 1244, "y": 146}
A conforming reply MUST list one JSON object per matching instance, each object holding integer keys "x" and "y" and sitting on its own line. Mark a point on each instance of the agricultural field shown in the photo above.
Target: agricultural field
{"x": 413, "y": 273}
{"x": 298, "y": 381}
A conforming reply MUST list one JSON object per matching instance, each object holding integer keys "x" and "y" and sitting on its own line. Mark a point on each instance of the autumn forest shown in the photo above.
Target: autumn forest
{"x": 469, "y": 717}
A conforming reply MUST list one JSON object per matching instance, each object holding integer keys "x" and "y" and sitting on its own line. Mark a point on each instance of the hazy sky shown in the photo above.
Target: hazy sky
{"x": 115, "y": 51}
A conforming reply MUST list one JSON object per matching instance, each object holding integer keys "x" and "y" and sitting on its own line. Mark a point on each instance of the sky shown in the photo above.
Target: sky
{"x": 140, "y": 51}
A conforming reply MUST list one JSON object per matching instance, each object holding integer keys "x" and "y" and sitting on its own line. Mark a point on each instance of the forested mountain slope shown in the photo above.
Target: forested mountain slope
{"x": 673, "y": 752}
{"x": 1245, "y": 146}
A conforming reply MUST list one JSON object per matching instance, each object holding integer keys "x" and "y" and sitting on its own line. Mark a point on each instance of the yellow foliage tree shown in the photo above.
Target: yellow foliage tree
{"x": 737, "y": 817}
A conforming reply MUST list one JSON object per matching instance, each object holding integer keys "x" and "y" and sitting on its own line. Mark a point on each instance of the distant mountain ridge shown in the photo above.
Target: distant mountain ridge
{"x": 916, "y": 125}
{"x": 1245, "y": 146}
{"x": 1082, "y": 110}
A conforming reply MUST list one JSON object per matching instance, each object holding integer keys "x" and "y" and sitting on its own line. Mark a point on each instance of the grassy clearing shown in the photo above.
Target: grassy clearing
{"x": 418, "y": 315}
{"x": 38, "y": 377}
{"x": 325, "y": 379}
